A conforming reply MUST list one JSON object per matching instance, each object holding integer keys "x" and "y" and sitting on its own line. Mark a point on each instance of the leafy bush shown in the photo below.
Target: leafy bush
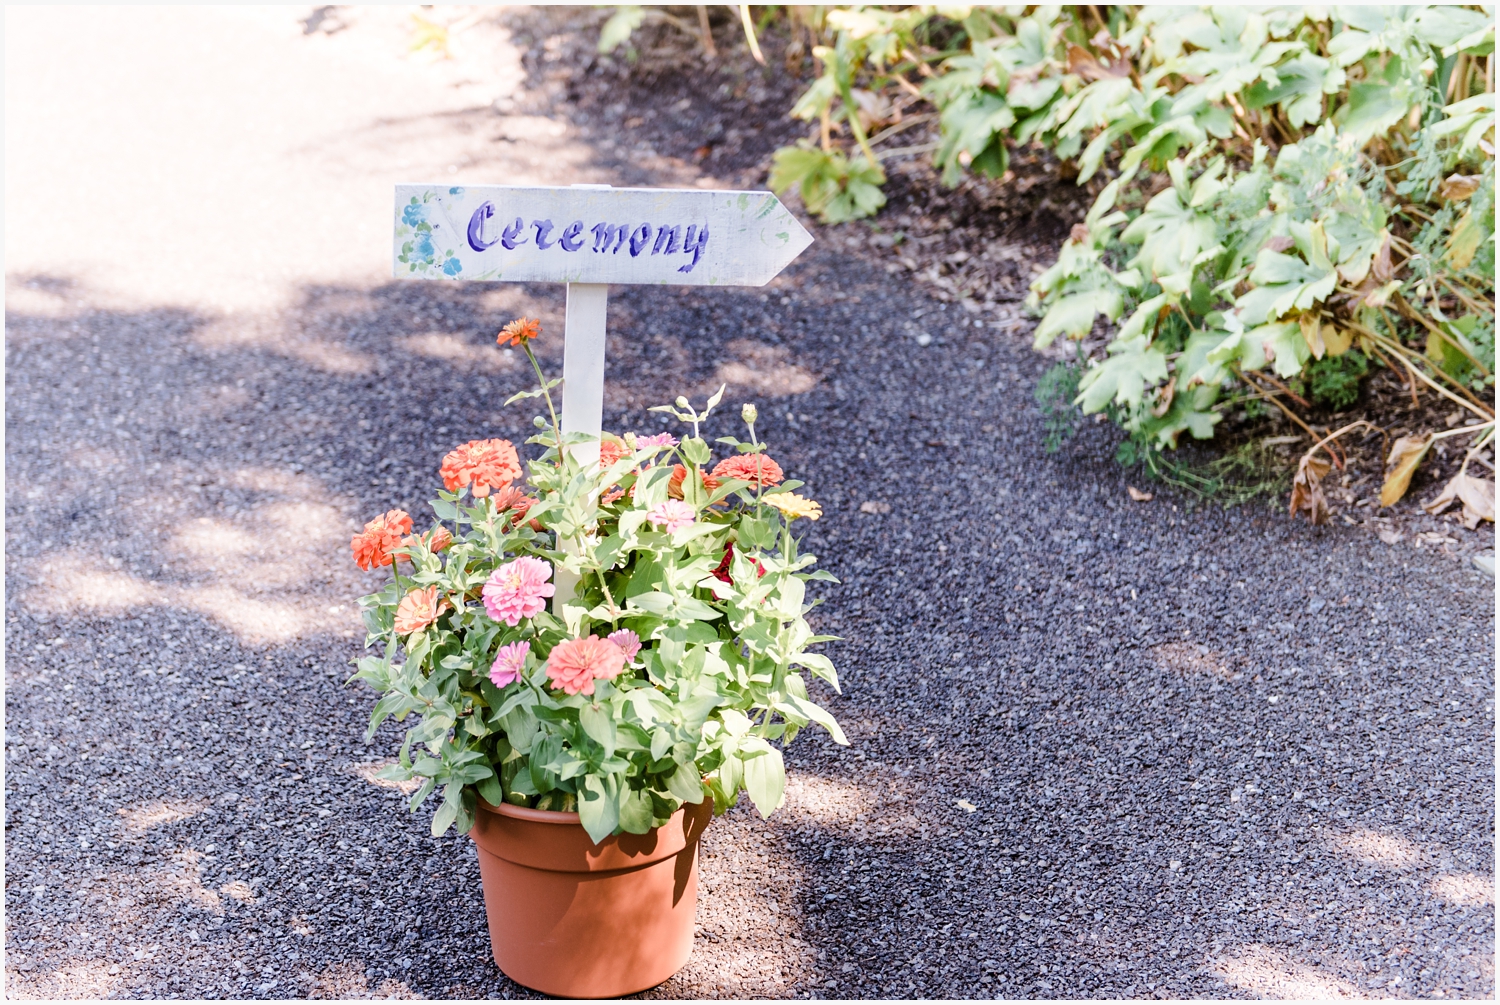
{"x": 672, "y": 659}
{"x": 1054, "y": 395}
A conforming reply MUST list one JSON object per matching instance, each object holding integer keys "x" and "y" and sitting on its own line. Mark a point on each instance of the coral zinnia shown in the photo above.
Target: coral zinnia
{"x": 672, "y": 515}
{"x": 483, "y": 464}
{"x": 793, "y": 505}
{"x": 611, "y": 451}
{"x": 576, "y": 663}
{"x": 674, "y": 483}
{"x": 372, "y": 546}
{"x": 438, "y": 540}
{"x": 418, "y": 609}
{"x": 518, "y": 590}
{"x": 519, "y": 332}
{"x": 757, "y": 469}
{"x": 509, "y": 662}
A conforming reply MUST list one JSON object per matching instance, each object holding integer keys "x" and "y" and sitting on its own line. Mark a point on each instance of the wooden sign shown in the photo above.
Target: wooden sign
{"x": 589, "y": 234}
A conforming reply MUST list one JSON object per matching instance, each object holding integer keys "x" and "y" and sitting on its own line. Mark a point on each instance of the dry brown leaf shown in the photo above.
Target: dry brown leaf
{"x": 1138, "y": 495}
{"x": 1164, "y": 400}
{"x": 1406, "y": 454}
{"x": 1087, "y": 66}
{"x": 1476, "y": 494}
{"x": 1307, "y": 489}
{"x": 1459, "y": 186}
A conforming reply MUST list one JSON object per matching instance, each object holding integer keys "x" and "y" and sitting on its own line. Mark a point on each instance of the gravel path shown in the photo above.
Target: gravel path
{"x": 1100, "y": 748}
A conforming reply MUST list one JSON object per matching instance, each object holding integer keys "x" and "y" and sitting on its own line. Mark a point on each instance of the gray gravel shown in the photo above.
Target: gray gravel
{"x": 1100, "y": 748}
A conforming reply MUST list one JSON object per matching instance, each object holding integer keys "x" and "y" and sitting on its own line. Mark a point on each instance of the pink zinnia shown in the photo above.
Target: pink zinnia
{"x": 656, "y": 440}
{"x": 576, "y": 663}
{"x": 628, "y": 641}
{"x": 672, "y": 515}
{"x": 509, "y": 663}
{"x": 518, "y": 590}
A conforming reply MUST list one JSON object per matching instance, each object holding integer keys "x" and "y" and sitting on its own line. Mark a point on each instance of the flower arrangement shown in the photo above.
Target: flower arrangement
{"x": 613, "y": 636}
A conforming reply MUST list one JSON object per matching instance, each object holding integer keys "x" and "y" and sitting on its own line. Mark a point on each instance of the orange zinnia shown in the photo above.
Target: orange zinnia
{"x": 674, "y": 484}
{"x": 611, "y": 451}
{"x": 519, "y": 332}
{"x": 516, "y": 502}
{"x": 482, "y": 464}
{"x": 757, "y": 469}
{"x": 418, "y": 609}
{"x": 372, "y": 546}
{"x": 435, "y": 542}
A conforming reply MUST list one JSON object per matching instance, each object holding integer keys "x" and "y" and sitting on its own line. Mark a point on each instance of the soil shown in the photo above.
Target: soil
{"x": 1100, "y": 747}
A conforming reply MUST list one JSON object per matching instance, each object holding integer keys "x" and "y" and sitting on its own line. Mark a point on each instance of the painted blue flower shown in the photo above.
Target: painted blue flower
{"x": 424, "y": 249}
{"x": 453, "y": 267}
{"x": 413, "y": 214}
{"x": 456, "y": 190}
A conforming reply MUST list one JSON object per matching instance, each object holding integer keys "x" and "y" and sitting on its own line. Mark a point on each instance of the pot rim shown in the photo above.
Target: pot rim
{"x": 535, "y": 816}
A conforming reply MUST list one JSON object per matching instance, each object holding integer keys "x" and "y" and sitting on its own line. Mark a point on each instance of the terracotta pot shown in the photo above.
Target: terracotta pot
{"x": 579, "y": 920}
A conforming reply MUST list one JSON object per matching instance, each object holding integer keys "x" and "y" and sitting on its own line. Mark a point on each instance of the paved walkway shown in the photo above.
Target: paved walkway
{"x": 1100, "y": 747}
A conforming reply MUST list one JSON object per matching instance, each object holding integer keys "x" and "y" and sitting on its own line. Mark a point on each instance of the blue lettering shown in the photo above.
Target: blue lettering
{"x": 607, "y": 233}
{"x": 639, "y": 238}
{"x": 667, "y": 239}
{"x": 543, "y": 228}
{"x": 511, "y": 238}
{"x": 570, "y": 240}
{"x": 476, "y": 227}
{"x": 696, "y": 243}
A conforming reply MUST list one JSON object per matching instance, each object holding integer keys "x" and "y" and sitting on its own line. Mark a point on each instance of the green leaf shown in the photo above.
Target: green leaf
{"x": 765, "y": 776}
{"x": 635, "y": 811}
{"x": 598, "y": 805}
{"x": 600, "y": 727}
{"x": 620, "y": 26}
{"x": 686, "y": 784}
{"x": 1123, "y": 377}
{"x": 1073, "y": 315}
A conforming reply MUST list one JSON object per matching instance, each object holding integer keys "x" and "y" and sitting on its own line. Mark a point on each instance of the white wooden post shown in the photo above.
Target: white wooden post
{"x": 582, "y": 392}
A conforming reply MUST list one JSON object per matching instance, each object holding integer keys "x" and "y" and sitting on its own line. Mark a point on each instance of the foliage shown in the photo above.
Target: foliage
{"x": 703, "y": 569}
{"x": 1054, "y": 395}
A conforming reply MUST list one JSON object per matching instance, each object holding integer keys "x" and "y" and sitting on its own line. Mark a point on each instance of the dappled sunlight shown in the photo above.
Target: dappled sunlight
{"x": 348, "y": 980}
{"x": 282, "y": 336}
{"x": 140, "y": 818}
{"x": 847, "y": 805}
{"x": 1269, "y": 973}
{"x": 1389, "y": 851}
{"x": 1467, "y": 889}
{"x": 1189, "y": 658}
{"x": 239, "y": 890}
{"x": 272, "y": 572}
{"x": 485, "y": 358}
{"x": 763, "y": 369}
{"x": 86, "y": 979}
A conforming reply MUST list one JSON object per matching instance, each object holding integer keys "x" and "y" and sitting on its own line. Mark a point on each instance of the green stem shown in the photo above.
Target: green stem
{"x": 546, "y": 393}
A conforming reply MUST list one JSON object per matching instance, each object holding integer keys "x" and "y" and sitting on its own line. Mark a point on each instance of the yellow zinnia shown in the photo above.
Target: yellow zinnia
{"x": 794, "y": 506}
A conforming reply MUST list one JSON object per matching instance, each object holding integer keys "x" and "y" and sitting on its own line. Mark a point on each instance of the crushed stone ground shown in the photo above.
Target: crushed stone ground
{"x": 1101, "y": 748}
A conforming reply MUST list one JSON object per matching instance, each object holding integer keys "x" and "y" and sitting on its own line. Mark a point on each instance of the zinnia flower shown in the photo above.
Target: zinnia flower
{"x": 721, "y": 571}
{"x": 611, "y": 451}
{"x": 672, "y": 515}
{"x": 655, "y": 440}
{"x": 438, "y": 540}
{"x": 418, "y": 609}
{"x": 793, "y": 505}
{"x": 628, "y": 641}
{"x": 757, "y": 469}
{"x": 674, "y": 483}
{"x": 516, "y": 502}
{"x": 518, "y": 590}
{"x": 576, "y": 663}
{"x": 509, "y": 662}
{"x": 482, "y": 464}
{"x": 519, "y": 332}
{"x": 372, "y": 546}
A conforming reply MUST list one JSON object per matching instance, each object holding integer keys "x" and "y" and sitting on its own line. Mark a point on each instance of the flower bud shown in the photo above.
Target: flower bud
{"x": 682, "y": 402}
{"x": 748, "y": 413}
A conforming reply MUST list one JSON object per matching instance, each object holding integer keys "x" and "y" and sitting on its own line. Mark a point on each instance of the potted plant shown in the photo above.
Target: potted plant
{"x": 599, "y": 649}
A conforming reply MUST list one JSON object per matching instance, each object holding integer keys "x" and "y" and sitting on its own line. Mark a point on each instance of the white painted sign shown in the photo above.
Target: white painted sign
{"x": 589, "y": 234}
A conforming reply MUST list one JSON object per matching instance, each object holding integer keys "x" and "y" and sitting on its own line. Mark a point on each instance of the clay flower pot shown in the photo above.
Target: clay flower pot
{"x": 579, "y": 920}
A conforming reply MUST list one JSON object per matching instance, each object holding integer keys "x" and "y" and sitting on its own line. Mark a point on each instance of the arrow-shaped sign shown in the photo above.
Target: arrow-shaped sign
{"x": 589, "y": 234}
